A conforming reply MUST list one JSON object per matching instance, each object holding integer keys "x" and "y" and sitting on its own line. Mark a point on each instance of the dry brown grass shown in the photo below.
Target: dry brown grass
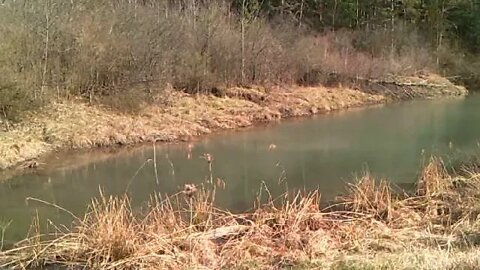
{"x": 376, "y": 229}
{"x": 422, "y": 259}
{"x": 174, "y": 116}
{"x": 370, "y": 198}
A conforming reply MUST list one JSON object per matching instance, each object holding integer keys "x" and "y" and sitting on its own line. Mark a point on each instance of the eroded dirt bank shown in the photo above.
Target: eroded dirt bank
{"x": 179, "y": 116}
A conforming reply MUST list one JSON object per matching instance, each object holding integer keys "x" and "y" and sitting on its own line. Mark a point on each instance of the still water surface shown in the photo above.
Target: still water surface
{"x": 324, "y": 152}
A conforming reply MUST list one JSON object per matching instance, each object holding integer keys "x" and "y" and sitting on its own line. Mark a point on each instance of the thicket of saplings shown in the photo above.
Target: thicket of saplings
{"x": 122, "y": 53}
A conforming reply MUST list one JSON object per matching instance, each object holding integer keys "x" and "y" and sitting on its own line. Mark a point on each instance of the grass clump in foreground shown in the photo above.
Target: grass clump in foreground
{"x": 371, "y": 227}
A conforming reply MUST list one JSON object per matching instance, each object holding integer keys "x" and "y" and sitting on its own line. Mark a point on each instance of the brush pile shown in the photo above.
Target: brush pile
{"x": 370, "y": 226}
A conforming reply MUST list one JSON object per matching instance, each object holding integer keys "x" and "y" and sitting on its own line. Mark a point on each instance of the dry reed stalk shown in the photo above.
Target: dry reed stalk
{"x": 371, "y": 198}
{"x": 186, "y": 230}
{"x": 434, "y": 179}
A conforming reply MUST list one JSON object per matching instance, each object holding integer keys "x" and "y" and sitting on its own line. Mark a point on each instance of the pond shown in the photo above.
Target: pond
{"x": 324, "y": 152}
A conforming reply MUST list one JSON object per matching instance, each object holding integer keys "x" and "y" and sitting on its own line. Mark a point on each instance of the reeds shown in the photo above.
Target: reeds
{"x": 187, "y": 231}
{"x": 370, "y": 198}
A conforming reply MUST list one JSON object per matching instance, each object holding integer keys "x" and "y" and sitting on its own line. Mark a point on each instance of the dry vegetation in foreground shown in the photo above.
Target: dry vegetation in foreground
{"x": 370, "y": 228}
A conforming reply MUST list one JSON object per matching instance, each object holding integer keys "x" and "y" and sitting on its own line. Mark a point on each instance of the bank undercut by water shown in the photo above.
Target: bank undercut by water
{"x": 176, "y": 116}
{"x": 371, "y": 227}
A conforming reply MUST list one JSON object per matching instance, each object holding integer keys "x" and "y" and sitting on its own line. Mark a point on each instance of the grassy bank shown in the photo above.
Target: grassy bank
{"x": 81, "y": 74}
{"x": 369, "y": 228}
{"x": 174, "y": 115}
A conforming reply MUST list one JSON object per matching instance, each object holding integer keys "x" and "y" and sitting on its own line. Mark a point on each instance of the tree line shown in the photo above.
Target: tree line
{"x": 121, "y": 52}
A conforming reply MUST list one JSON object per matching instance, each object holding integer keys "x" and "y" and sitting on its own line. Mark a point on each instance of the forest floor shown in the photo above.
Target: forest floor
{"x": 178, "y": 116}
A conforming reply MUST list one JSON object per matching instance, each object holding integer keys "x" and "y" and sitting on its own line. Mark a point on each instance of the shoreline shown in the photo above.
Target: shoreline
{"x": 71, "y": 159}
{"x": 371, "y": 228}
{"x": 177, "y": 116}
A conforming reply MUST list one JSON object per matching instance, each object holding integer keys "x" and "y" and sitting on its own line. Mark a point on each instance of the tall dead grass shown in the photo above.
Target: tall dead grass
{"x": 186, "y": 230}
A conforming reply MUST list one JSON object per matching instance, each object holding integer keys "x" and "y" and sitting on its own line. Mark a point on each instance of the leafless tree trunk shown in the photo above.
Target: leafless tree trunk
{"x": 47, "y": 44}
{"x": 301, "y": 12}
{"x": 334, "y": 14}
{"x": 392, "y": 30}
{"x": 358, "y": 14}
{"x": 166, "y": 9}
{"x": 440, "y": 26}
{"x": 194, "y": 13}
{"x": 243, "y": 39}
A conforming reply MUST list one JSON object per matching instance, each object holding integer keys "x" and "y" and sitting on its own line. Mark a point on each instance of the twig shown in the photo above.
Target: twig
{"x": 3, "y": 229}
{"x": 155, "y": 163}
{"x": 53, "y": 205}
{"x": 135, "y": 175}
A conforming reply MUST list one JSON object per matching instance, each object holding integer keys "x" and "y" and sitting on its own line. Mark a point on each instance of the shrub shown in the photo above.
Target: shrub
{"x": 104, "y": 50}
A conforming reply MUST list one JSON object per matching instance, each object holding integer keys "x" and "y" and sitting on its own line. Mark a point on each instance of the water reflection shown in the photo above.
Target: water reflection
{"x": 324, "y": 152}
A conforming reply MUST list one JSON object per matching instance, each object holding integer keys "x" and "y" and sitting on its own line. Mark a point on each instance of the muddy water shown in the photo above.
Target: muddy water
{"x": 324, "y": 152}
